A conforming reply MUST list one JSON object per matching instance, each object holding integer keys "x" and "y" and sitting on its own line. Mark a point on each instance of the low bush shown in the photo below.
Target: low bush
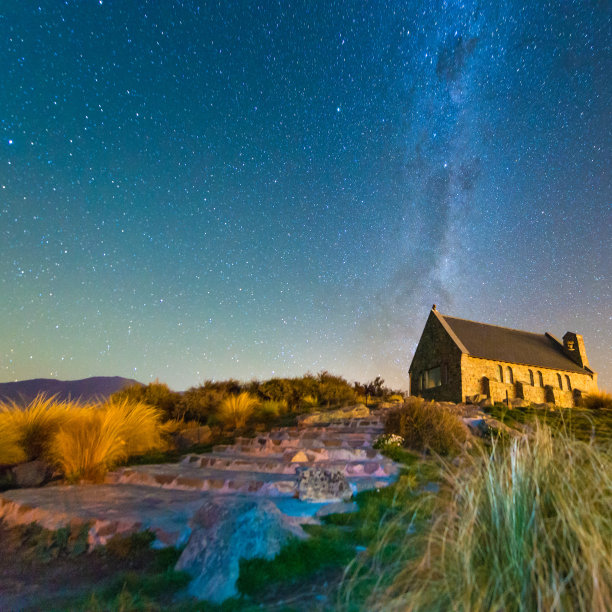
{"x": 268, "y": 410}
{"x": 235, "y": 410}
{"x": 598, "y": 400}
{"x": 427, "y": 426}
{"x": 525, "y": 526}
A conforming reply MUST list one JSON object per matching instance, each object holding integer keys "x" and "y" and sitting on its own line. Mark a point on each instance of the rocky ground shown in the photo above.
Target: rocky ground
{"x": 248, "y": 498}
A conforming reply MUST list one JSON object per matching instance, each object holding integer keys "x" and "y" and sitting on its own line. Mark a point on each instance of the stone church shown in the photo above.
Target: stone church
{"x": 457, "y": 359}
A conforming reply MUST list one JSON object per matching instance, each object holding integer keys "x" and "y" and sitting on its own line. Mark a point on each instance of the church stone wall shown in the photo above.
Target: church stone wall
{"x": 481, "y": 376}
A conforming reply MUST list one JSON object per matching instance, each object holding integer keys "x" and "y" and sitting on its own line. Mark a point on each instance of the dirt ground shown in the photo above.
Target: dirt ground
{"x": 30, "y": 580}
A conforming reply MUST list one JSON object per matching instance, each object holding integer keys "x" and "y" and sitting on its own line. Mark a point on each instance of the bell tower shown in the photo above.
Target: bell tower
{"x": 573, "y": 346}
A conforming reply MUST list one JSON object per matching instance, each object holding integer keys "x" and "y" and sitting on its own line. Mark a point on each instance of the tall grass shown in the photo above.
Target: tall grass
{"x": 235, "y": 410}
{"x": 26, "y": 433}
{"x": 94, "y": 440}
{"x": 597, "y": 400}
{"x": 526, "y": 526}
{"x": 83, "y": 440}
{"x": 427, "y": 426}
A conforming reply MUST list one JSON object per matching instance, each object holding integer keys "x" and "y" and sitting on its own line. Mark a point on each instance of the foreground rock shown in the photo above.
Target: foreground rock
{"x": 108, "y": 510}
{"x": 225, "y": 531}
{"x": 318, "y": 484}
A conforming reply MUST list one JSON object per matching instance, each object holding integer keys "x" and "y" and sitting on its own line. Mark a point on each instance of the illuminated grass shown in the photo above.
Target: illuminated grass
{"x": 526, "y": 526}
{"x": 93, "y": 440}
{"x": 236, "y": 409}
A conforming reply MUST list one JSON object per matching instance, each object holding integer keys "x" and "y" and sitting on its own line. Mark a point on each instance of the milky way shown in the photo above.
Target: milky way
{"x": 204, "y": 190}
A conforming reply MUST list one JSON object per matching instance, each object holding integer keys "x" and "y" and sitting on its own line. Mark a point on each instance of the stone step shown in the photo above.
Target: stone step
{"x": 267, "y": 445}
{"x": 179, "y": 476}
{"x": 335, "y": 428}
{"x": 352, "y": 439}
{"x": 296, "y": 453}
{"x": 192, "y": 478}
{"x": 280, "y": 465}
{"x": 349, "y": 424}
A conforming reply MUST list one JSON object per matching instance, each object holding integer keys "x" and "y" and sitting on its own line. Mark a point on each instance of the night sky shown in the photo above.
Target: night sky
{"x": 194, "y": 190}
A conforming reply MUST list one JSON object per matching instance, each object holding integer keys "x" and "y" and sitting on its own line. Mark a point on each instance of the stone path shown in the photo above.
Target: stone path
{"x": 165, "y": 497}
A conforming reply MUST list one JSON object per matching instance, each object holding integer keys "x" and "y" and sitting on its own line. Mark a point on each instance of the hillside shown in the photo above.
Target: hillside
{"x": 85, "y": 388}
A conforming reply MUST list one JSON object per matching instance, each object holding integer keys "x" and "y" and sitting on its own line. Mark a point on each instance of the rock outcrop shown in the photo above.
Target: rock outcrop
{"x": 225, "y": 531}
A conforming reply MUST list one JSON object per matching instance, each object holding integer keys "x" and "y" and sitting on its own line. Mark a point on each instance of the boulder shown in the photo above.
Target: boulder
{"x": 225, "y": 531}
{"x": 485, "y": 403}
{"x": 475, "y": 399}
{"x": 186, "y": 438}
{"x": 320, "y": 485}
{"x": 31, "y": 474}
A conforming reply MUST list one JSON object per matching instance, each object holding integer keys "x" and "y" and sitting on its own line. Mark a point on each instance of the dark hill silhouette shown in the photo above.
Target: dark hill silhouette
{"x": 85, "y": 389}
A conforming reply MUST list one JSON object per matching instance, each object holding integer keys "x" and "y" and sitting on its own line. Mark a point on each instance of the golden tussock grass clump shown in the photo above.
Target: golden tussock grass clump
{"x": 26, "y": 433}
{"x": 598, "y": 400}
{"x": 526, "y": 526}
{"x": 93, "y": 440}
{"x": 235, "y": 410}
{"x": 83, "y": 440}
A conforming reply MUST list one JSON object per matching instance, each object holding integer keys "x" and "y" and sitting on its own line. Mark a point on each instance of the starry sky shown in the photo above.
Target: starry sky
{"x": 194, "y": 190}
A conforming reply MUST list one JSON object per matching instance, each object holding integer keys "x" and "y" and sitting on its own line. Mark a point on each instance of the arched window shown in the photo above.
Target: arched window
{"x": 500, "y": 373}
{"x": 531, "y": 381}
{"x": 510, "y": 375}
{"x": 569, "y": 384}
{"x": 560, "y": 381}
{"x": 540, "y": 379}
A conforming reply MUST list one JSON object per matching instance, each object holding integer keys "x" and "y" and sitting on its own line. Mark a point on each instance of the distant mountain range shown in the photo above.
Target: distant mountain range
{"x": 85, "y": 389}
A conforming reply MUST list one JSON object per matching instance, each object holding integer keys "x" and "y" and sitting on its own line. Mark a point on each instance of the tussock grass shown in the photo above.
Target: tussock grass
{"x": 235, "y": 410}
{"x": 94, "y": 440}
{"x": 26, "y": 433}
{"x": 597, "y": 400}
{"x": 83, "y": 440}
{"x": 427, "y": 426}
{"x": 525, "y": 526}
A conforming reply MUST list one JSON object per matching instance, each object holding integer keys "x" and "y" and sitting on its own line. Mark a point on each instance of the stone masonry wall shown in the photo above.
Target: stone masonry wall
{"x": 436, "y": 348}
{"x": 481, "y": 376}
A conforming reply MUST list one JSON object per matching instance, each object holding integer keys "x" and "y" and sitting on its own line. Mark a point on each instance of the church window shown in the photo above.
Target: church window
{"x": 531, "y": 381}
{"x": 433, "y": 378}
{"x": 500, "y": 373}
{"x": 510, "y": 375}
{"x": 569, "y": 384}
{"x": 560, "y": 381}
{"x": 540, "y": 379}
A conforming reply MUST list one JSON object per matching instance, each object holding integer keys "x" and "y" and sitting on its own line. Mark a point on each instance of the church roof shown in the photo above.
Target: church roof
{"x": 509, "y": 345}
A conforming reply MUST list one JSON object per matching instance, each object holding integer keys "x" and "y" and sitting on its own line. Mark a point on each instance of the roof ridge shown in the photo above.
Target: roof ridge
{"x": 523, "y": 331}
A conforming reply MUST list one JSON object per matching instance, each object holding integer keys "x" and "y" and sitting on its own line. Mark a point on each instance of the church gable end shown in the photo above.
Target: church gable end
{"x": 435, "y": 372}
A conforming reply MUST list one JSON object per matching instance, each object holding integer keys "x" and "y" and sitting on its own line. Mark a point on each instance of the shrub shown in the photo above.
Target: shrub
{"x": 156, "y": 394}
{"x": 597, "y": 400}
{"x": 93, "y": 440}
{"x": 236, "y": 409}
{"x": 427, "y": 426}
{"x": 201, "y": 403}
{"x": 269, "y": 410}
{"x": 524, "y": 527}
{"x": 26, "y": 433}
